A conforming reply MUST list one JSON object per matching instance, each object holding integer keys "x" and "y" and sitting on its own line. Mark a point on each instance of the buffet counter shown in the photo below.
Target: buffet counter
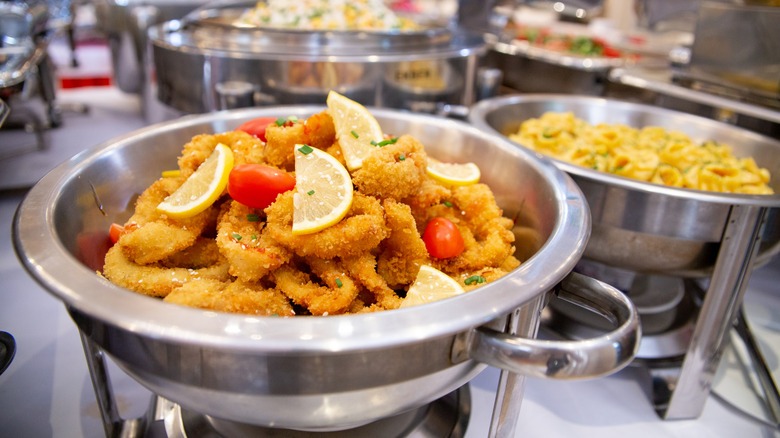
{"x": 47, "y": 391}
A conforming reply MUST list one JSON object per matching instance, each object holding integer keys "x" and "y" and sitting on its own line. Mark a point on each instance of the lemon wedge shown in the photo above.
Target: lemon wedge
{"x": 356, "y": 129}
{"x": 323, "y": 190}
{"x": 430, "y": 285}
{"x": 202, "y": 188}
{"x": 453, "y": 173}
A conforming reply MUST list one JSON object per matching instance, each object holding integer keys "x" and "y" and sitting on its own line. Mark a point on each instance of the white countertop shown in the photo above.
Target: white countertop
{"x": 46, "y": 391}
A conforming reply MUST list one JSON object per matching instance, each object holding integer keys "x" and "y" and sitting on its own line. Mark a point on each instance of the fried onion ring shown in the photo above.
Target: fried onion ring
{"x": 246, "y": 245}
{"x": 236, "y": 297}
{"x": 246, "y": 149}
{"x": 404, "y": 251}
{"x": 155, "y": 280}
{"x": 317, "y": 131}
{"x": 360, "y": 231}
{"x": 152, "y": 236}
{"x": 403, "y": 163}
{"x": 327, "y": 291}
{"x": 363, "y": 269}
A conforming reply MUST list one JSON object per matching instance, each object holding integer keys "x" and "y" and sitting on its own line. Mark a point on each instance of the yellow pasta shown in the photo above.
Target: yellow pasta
{"x": 651, "y": 154}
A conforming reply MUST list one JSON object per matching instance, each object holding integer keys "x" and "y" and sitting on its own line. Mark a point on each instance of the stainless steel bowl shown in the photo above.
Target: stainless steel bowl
{"x": 317, "y": 373}
{"x": 640, "y": 226}
{"x": 125, "y": 25}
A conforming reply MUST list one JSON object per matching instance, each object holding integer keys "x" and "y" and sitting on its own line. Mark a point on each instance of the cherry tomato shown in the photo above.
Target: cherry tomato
{"x": 442, "y": 238}
{"x": 257, "y": 127}
{"x": 256, "y": 185}
{"x": 611, "y": 52}
{"x": 115, "y": 231}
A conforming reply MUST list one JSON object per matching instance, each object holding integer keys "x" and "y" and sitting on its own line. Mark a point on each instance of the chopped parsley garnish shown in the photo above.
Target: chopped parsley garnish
{"x": 253, "y": 217}
{"x": 339, "y": 283}
{"x": 447, "y": 203}
{"x": 282, "y": 120}
{"x": 474, "y": 279}
{"x": 384, "y": 142}
{"x": 401, "y": 157}
{"x": 236, "y": 236}
{"x": 310, "y": 192}
{"x": 305, "y": 149}
{"x": 354, "y": 134}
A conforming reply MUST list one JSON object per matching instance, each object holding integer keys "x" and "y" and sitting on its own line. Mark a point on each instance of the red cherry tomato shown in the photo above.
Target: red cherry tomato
{"x": 611, "y": 52}
{"x": 442, "y": 238}
{"x": 256, "y": 185}
{"x": 257, "y": 127}
{"x": 115, "y": 231}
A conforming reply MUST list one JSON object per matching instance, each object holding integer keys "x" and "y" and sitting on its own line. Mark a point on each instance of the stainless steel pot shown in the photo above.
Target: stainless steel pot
{"x": 125, "y": 24}
{"x": 319, "y": 373}
{"x": 530, "y": 69}
{"x": 208, "y": 62}
{"x": 646, "y": 227}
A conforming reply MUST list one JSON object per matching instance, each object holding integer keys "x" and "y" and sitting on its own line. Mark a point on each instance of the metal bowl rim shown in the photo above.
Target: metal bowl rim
{"x": 460, "y": 45}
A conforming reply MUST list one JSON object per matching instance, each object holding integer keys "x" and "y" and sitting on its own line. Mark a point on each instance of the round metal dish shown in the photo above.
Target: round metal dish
{"x": 318, "y": 373}
{"x": 641, "y": 226}
{"x": 288, "y": 66}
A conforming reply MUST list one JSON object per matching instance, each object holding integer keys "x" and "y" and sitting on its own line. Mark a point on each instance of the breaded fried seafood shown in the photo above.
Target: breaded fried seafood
{"x": 241, "y": 256}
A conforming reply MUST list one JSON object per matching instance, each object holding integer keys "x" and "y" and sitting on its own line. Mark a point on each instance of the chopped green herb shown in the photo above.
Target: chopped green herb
{"x": 474, "y": 279}
{"x": 293, "y": 119}
{"x": 254, "y": 236}
{"x": 384, "y": 142}
{"x": 339, "y": 283}
{"x": 236, "y": 236}
{"x": 310, "y": 192}
{"x": 280, "y": 121}
{"x": 253, "y": 217}
{"x": 305, "y": 149}
{"x": 354, "y": 134}
{"x": 447, "y": 204}
{"x": 401, "y": 157}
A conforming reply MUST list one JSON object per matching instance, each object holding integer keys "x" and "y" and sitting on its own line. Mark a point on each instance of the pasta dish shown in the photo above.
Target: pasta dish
{"x": 650, "y": 154}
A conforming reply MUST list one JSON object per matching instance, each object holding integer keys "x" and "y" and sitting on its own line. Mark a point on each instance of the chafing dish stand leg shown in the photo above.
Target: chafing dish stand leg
{"x": 511, "y": 386}
{"x": 113, "y": 424}
{"x": 679, "y": 396}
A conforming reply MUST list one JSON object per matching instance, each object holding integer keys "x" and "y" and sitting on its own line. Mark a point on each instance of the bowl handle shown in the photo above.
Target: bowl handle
{"x": 588, "y": 358}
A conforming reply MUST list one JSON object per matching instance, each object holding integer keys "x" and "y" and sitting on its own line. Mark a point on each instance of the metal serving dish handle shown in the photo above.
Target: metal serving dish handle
{"x": 519, "y": 357}
{"x": 587, "y": 358}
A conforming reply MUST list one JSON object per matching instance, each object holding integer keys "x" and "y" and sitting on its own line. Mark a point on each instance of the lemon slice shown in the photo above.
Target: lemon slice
{"x": 430, "y": 285}
{"x": 453, "y": 173}
{"x": 323, "y": 190}
{"x": 356, "y": 129}
{"x": 202, "y": 188}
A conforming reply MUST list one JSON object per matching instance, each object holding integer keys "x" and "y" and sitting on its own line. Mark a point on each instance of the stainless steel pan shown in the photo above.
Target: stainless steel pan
{"x": 640, "y": 226}
{"x": 318, "y": 373}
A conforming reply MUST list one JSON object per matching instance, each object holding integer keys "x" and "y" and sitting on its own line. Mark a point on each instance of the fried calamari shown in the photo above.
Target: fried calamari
{"x": 234, "y": 258}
